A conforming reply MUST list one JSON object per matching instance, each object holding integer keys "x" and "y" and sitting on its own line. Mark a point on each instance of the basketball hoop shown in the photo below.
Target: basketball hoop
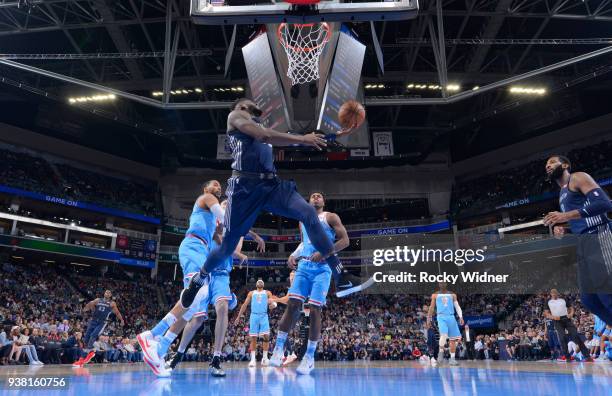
{"x": 303, "y": 44}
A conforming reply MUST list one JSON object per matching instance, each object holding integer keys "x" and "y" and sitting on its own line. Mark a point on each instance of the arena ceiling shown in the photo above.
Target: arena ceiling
{"x": 127, "y": 45}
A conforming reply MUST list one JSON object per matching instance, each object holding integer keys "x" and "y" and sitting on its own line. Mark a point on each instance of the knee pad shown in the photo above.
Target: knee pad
{"x": 443, "y": 338}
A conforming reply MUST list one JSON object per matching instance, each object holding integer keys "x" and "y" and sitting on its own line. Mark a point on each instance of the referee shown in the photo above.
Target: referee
{"x": 561, "y": 316}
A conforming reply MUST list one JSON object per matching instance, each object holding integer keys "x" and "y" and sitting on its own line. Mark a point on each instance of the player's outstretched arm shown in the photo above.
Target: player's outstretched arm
{"x": 117, "y": 313}
{"x": 432, "y": 307}
{"x": 90, "y": 305}
{"x": 241, "y": 120}
{"x": 458, "y": 309}
{"x": 261, "y": 244}
{"x": 243, "y": 308}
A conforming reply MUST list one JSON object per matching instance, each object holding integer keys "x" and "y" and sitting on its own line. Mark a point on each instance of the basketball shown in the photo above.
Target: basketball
{"x": 351, "y": 114}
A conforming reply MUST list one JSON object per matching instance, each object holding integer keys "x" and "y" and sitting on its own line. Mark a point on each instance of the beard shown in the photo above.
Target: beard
{"x": 256, "y": 111}
{"x": 556, "y": 173}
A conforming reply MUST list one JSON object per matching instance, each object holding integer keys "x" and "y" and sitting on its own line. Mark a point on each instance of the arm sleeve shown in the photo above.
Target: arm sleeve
{"x": 458, "y": 309}
{"x": 598, "y": 203}
{"x": 298, "y": 251}
{"x": 218, "y": 212}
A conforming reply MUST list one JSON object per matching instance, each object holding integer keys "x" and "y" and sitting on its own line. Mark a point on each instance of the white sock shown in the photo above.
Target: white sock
{"x": 217, "y": 353}
{"x": 252, "y": 355}
{"x": 452, "y": 355}
{"x": 265, "y": 354}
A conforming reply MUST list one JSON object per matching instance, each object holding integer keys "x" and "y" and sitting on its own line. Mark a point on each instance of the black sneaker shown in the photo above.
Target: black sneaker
{"x": 215, "y": 367}
{"x": 174, "y": 360}
{"x": 198, "y": 281}
{"x": 349, "y": 284}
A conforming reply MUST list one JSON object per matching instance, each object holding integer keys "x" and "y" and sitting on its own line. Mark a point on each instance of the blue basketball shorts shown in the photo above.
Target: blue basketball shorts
{"x": 259, "y": 325}
{"x": 192, "y": 255}
{"x": 311, "y": 282}
{"x": 448, "y": 325}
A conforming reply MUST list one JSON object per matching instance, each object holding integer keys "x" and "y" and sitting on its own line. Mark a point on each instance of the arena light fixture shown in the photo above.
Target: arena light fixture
{"x": 453, "y": 87}
{"x": 521, "y": 90}
{"x": 94, "y": 98}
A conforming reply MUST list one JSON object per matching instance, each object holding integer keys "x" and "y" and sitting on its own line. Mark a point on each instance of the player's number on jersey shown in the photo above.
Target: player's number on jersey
{"x": 445, "y": 301}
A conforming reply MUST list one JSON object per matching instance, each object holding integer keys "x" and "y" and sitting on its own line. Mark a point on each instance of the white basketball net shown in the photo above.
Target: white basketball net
{"x": 303, "y": 44}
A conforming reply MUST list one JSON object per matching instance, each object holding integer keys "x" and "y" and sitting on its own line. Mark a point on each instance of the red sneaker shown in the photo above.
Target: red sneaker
{"x": 78, "y": 363}
{"x": 589, "y": 360}
{"x": 88, "y": 358}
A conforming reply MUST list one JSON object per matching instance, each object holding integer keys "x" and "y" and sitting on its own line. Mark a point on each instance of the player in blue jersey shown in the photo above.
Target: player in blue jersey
{"x": 311, "y": 283}
{"x": 102, "y": 308}
{"x": 584, "y": 205}
{"x": 599, "y": 326}
{"x": 255, "y": 186}
{"x": 259, "y": 324}
{"x": 205, "y": 225}
{"x": 223, "y": 301}
{"x": 446, "y": 305}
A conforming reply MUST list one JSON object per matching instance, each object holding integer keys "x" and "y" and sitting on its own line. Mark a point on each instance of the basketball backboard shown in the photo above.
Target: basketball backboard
{"x": 237, "y": 12}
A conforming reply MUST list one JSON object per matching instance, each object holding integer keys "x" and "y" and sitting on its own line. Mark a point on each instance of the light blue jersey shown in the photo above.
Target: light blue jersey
{"x": 312, "y": 279}
{"x": 308, "y": 248}
{"x": 444, "y": 304}
{"x": 194, "y": 249}
{"x": 447, "y": 324}
{"x": 202, "y": 223}
{"x": 258, "y": 323}
{"x": 599, "y": 325}
{"x": 259, "y": 302}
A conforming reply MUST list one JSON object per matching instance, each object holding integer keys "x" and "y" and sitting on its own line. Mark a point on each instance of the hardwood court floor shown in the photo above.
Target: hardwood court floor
{"x": 334, "y": 379}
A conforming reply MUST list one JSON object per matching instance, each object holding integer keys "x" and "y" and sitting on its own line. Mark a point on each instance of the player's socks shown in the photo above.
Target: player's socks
{"x": 281, "y": 338}
{"x": 164, "y": 343}
{"x": 163, "y": 325}
{"x": 452, "y": 355}
{"x": 311, "y": 349}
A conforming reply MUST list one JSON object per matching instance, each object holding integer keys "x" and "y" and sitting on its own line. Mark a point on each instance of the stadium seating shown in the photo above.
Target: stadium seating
{"x": 484, "y": 193}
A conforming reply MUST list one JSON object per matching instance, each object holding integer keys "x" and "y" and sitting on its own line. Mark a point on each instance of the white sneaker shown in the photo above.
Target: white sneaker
{"x": 453, "y": 362}
{"x": 40, "y": 363}
{"x": 306, "y": 366}
{"x": 602, "y": 358}
{"x": 290, "y": 359}
{"x": 265, "y": 361}
{"x": 150, "y": 356}
{"x": 433, "y": 361}
{"x": 276, "y": 360}
{"x": 253, "y": 363}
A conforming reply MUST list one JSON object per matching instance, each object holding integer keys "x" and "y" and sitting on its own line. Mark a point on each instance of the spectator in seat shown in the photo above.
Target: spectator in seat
{"x": 73, "y": 347}
{"x": 6, "y": 346}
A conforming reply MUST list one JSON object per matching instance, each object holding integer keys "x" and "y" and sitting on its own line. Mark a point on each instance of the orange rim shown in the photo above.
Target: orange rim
{"x": 325, "y": 26}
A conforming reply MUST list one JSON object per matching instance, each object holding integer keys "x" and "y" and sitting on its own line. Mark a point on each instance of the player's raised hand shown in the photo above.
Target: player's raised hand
{"x": 261, "y": 244}
{"x": 316, "y": 140}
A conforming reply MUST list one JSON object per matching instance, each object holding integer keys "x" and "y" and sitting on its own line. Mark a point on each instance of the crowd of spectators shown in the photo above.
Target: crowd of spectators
{"x": 488, "y": 191}
{"x": 43, "y": 319}
{"x": 37, "y": 174}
